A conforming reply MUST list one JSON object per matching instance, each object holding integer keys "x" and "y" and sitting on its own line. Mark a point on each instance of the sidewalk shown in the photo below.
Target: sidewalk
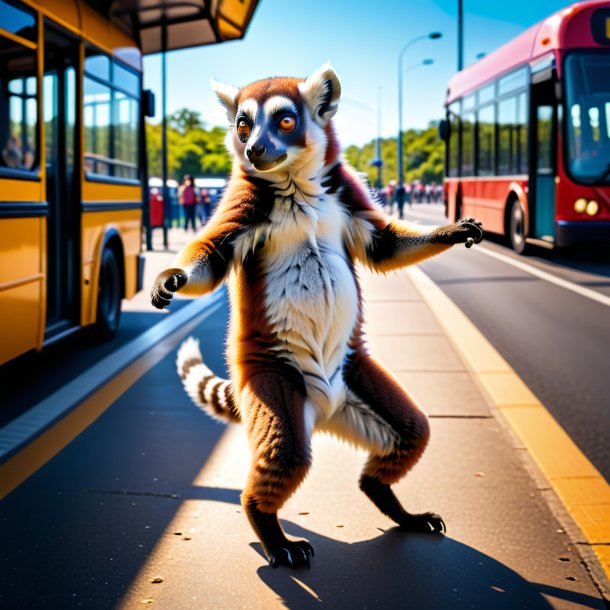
{"x": 509, "y": 544}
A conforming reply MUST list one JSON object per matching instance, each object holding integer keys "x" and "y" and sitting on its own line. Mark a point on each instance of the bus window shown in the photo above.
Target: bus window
{"x": 514, "y": 80}
{"x": 96, "y": 109}
{"x": 588, "y": 116}
{"x": 468, "y": 145}
{"x": 487, "y": 141}
{"x": 521, "y": 135}
{"x": 18, "y": 127}
{"x": 507, "y": 115}
{"x": 454, "y": 139}
{"x": 126, "y": 136}
{"x": 544, "y": 153}
{"x": 111, "y": 114}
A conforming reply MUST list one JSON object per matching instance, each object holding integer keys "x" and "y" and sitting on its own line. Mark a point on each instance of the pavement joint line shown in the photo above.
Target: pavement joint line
{"x": 559, "y": 459}
{"x": 122, "y": 368}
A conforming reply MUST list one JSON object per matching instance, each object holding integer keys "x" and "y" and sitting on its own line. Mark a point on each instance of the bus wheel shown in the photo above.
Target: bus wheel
{"x": 516, "y": 228}
{"x": 109, "y": 297}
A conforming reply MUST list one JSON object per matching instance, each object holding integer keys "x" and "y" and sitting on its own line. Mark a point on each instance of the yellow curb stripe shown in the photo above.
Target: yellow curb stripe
{"x": 582, "y": 489}
{"x": 37, "y": 453}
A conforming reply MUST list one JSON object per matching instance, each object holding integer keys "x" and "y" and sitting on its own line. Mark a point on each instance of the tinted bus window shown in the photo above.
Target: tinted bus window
{"x": 125, "y": 136}
{"x": 454, "y": 139}
{"x": 486, "y": 94}
{"x": 468, "y": 145}
{"x": 18, "y": 126}
{"x": 97, "y": 113}
{"x": 511, "y": 82}
{"x": 487, "y": 141}
{"x": 111, "y": 109}
{"x": 588, "y": 116}
{"x": 544, "y": 156}
{"x": 507, "y": 115}
{"x": 522, "y": 123}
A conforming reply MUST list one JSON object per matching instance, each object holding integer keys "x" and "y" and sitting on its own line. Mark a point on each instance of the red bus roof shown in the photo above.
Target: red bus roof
{"x": 568, "y": 28}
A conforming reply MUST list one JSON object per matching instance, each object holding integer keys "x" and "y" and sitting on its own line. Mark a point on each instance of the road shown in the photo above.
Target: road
{"x": 555, "y": 337}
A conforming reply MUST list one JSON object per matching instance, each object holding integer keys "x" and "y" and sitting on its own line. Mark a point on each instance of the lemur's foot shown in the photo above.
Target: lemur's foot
{"x": 294, "y": 553}
{"x": 427, "y": 523}
{"x": 167, "y": 282}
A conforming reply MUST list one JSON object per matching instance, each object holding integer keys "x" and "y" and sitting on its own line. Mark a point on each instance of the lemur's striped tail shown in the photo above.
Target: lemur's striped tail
{"x": 208, "y": 391}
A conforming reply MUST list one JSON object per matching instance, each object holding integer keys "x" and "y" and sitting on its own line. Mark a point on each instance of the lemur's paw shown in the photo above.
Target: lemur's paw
{"x": 167, "y": 282}
{"x": 295, "y": 554}
{"x": 426, "y": 523}
{"x": 467, "y": 231}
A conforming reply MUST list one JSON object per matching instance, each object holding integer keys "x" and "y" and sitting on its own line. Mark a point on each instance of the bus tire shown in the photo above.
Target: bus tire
{"x": 516, "y": 227}
{"x": 109, "y": 297}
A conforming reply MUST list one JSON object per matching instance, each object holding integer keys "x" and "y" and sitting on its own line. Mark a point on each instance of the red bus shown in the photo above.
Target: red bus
{"x": 527, "y": 130}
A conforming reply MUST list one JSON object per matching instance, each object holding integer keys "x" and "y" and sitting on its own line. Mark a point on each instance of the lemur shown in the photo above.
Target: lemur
{"x": 292, "y": 225}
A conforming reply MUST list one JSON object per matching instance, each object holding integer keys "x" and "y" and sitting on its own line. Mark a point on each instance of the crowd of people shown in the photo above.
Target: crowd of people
{"x": 190, "y": 206}
{"x": 415, "y": 192}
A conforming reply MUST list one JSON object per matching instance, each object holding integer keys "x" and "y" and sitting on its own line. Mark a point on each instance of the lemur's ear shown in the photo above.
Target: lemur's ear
{"x": 321, "y": 92}
{"x": 227, "y": 94}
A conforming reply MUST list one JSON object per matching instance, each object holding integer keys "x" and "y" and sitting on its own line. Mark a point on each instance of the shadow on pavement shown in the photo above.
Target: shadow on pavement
{"x": 399, "y": 570}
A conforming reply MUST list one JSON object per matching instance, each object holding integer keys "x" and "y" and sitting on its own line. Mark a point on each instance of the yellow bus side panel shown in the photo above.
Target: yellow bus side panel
{"x": 20, "y": 190}
{"x": 22, "y": 285}
{"x": 95, "y": 226}
{"x": 100, "y": 191}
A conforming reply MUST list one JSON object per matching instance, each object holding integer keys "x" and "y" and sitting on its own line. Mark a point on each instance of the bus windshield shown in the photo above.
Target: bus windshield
{"x": 588, "y": 116}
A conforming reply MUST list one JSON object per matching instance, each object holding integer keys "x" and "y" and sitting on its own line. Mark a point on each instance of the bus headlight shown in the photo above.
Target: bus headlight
{"x": 592, "y": 207}
{"x": 580, "y": 205}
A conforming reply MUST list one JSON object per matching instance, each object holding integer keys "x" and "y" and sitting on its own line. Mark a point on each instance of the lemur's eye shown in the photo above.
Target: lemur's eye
{"x": 243, "y": 130}
{"x": 287, "y": 124}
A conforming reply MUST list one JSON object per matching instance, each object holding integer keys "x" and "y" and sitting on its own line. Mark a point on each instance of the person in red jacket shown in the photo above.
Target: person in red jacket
{"x": 187, "y": 196}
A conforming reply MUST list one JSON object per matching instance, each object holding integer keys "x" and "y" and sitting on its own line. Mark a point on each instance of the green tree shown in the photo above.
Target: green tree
{"x": 192, "y": 149}
{"x": 423, "y": 157}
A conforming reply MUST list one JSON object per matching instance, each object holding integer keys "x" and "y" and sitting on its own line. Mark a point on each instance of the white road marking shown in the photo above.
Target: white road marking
{"x": 543, "y": 275}
{"x": 548, "y": 277}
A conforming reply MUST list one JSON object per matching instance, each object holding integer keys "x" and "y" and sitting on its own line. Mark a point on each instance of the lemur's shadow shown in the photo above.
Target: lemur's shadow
{"x": 411, "y": 571}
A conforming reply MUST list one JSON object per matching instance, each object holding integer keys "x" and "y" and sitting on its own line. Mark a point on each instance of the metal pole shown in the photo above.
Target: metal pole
{"x": 379, "y": 182}
{"x": 164, "y": 189}
{"x": 400, "y": 189}
{"x": 460, "y": 35}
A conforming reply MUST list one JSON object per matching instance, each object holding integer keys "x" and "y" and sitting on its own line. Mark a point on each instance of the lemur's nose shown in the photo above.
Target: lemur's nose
{"x": 255, "y": 151}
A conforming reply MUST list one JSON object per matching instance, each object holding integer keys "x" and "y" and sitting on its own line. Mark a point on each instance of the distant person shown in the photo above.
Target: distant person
{"x": 187, "y": 196}
{"x": 11, "y": 153}
{"x": 206, "y": 204}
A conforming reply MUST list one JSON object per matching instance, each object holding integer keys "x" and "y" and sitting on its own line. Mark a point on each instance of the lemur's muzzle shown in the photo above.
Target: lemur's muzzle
{"x": 263, "y": 155}
{"x": 255, "y": 151}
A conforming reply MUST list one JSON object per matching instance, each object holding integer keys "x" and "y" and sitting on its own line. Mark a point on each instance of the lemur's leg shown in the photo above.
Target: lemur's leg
{"x": 380, "y": 416}
{"x": 273, "y": 409}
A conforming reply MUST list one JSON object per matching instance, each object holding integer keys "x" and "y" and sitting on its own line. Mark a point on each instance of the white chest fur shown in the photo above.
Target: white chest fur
{"x": 311, "y": 295}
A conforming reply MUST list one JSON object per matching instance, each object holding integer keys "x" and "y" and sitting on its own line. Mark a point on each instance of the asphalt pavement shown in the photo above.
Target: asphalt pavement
{"x": 142, "y": 507}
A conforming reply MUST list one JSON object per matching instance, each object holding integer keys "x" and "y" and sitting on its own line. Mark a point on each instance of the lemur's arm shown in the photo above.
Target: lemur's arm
{"x": 198, "y": 268}
{"x": 385, "y": 244}
{"x": 203, "y": 263}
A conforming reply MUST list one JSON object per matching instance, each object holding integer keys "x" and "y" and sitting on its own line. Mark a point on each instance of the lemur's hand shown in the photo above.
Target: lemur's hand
{"x": 167, "y": 282}
{"x": 467, "y": 231}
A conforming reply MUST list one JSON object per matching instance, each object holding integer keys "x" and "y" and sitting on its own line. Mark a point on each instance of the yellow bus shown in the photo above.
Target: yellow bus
{"x": 72, "y": 155}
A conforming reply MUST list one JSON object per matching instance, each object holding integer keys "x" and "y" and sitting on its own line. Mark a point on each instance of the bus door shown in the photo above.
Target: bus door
{"x": 62, "y": 183}
{"x": 543, "y": 166}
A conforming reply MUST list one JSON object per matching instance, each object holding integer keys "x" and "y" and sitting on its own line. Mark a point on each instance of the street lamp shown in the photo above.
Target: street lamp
{"x": 400, "y": 190}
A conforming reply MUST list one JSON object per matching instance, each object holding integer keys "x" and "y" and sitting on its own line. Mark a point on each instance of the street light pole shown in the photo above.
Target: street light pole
{"x": 400, "y": 189}
{"x": 379, "y": 162}
{"x": 460, "y": 35}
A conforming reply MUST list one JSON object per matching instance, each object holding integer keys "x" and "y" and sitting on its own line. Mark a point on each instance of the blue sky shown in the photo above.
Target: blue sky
{"x": 362, "y": 40}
